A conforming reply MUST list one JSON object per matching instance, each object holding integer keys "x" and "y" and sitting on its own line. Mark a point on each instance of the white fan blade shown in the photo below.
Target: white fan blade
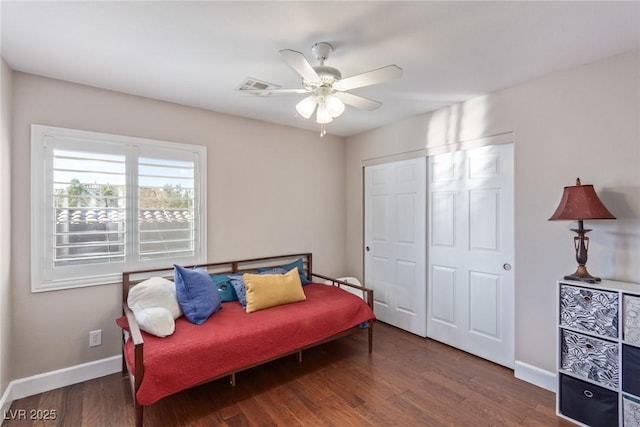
{"x": 358, "y": 101}
{"x": 369, "y": 78}
{"x": 300, "y": 65}
{"x": 269, "y": 91}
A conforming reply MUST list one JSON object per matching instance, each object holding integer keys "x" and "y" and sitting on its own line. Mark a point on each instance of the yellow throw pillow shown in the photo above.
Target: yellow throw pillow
{"x": 269, "y": 290}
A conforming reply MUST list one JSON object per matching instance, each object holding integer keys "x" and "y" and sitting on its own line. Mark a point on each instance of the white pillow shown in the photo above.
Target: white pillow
{"x": 155, "y": 306}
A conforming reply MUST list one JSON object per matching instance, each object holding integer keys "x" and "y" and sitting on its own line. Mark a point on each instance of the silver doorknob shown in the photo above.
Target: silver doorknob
{"x": 506, "y": 266}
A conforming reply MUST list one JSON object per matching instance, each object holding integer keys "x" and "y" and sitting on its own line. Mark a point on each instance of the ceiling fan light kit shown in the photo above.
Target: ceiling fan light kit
{"x": 327, "y": 88}
{"x": 334, "y": 105}
{"x": 307, "y": 106}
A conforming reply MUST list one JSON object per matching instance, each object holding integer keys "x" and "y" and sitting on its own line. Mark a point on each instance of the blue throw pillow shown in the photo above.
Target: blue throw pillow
{"x": 298, "y": 263}
{"x": 224, "y": 286}
{"x": 241, "y": 290}
{"x": 197, "y": 295}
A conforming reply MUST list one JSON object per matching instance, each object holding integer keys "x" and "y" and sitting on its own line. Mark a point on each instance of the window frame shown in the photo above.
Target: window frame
{"x": 43, "y": 217}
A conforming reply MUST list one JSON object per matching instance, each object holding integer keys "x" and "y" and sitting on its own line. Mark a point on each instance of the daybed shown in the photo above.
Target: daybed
{"x": 232, "y": 340}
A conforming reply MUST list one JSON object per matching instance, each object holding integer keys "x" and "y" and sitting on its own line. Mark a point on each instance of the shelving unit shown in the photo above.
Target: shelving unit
{"x": 599, "y": 353}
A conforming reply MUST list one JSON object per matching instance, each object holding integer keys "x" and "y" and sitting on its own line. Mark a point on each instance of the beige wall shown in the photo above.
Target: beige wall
{"x": 271, "y": 190}
{"x": 5, "y": 222}
{"x": 582, "y": 123}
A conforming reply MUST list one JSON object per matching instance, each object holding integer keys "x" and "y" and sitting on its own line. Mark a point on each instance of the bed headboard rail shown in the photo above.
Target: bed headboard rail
{"x": 131, "y": 278}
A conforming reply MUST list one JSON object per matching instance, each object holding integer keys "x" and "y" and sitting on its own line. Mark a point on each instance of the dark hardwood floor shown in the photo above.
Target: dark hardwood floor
{"x": 407, "y": 381}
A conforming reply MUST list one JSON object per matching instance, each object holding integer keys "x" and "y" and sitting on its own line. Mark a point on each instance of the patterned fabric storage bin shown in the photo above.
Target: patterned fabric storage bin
{"x": 592, "y": 405}
{"x": 631, "y": 318}
{"x": 589, "y": 310}
{"x": 631, "y": 408}
{"x": 591, "y": 358}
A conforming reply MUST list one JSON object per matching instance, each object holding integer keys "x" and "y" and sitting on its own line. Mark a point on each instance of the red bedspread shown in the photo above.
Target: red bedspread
{"x": 232, "y": 339}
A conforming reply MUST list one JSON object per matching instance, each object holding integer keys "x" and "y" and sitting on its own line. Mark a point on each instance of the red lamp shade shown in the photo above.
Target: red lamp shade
{"x": 580, "y": 202}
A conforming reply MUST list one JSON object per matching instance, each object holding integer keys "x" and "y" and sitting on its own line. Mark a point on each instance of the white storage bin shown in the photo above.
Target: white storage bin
{"x": 590, "y": 358}
{"x": 631, "y": 318}
{"x": 631, "y": 411}
{"x": 589, "y": 310}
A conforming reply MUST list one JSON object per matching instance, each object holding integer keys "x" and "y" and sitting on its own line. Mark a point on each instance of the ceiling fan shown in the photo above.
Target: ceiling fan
{"x": 328, "y": 91}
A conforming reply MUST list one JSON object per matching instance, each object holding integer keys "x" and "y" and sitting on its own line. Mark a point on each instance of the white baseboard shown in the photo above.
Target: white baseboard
{"x": 40, "y": 383}
{"x": 5, "y": 402}
{"x": 536, "y": 376}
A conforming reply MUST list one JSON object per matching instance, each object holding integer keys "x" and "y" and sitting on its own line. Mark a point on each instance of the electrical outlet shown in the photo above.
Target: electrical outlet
{"x": 95, "y": 338}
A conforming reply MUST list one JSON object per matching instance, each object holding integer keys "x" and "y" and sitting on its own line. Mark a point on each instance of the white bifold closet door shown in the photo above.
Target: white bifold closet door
{"x": 470, "y": 251}
{"x": 395, "y": 241}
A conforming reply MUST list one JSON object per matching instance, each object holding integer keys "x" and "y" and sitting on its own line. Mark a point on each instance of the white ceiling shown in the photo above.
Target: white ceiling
{"x": 198, "y": 53}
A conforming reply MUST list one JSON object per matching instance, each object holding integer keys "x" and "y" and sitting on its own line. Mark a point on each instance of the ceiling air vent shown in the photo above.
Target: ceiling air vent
{"x": 254, "y": 84}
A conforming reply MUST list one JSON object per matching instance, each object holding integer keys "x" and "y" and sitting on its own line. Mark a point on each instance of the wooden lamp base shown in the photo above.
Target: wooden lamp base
{"x": 582, "y": 275}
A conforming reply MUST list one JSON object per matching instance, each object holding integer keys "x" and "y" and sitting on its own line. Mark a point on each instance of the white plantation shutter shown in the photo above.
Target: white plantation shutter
{"x": 105, "y": 203}
{"x": 167, "y": 214}
{"x": 89, "y": 207}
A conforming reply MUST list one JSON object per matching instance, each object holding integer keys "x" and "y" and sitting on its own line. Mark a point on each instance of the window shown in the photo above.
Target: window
{"x": 102, "y": 204}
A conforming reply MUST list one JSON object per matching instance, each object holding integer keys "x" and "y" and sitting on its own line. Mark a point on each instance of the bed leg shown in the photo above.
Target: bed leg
{"x": 370, "y": 333}
{"x": 300, "y": 356}
{"x": 139, "y": 413}
{"x": 233, "y": 379}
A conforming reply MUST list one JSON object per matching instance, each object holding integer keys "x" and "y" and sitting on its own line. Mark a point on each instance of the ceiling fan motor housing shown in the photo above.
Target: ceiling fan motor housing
{"x": 328, "y": 75}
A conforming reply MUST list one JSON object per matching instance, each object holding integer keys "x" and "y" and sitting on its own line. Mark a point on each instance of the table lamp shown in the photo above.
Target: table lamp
{"x": 579, "y": 203}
